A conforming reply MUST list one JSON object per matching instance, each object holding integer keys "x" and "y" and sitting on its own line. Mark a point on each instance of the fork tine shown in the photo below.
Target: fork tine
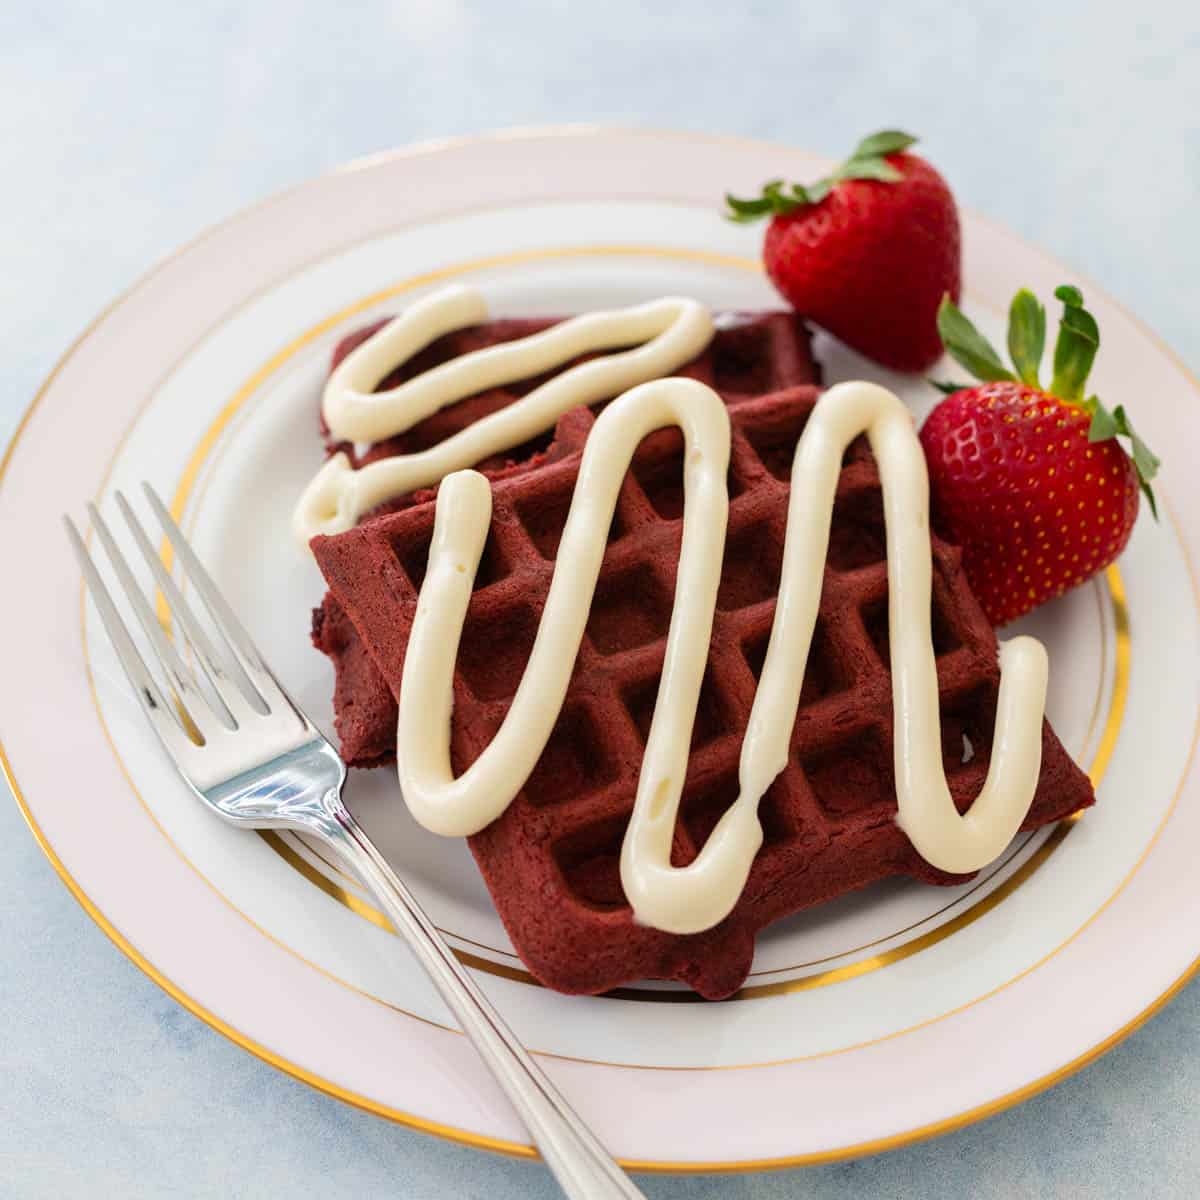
{"x": 166, "y": 724}
{"x": 195, "y": 704}
{"x": 232, "y": 631}
{"x": 238, "y": 700}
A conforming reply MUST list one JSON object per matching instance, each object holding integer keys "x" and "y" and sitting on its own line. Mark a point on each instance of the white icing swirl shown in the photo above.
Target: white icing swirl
{"x": 673, "y": 330}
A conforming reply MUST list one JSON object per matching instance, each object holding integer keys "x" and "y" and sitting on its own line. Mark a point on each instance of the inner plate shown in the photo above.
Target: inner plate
{"x": 237, "y": 479}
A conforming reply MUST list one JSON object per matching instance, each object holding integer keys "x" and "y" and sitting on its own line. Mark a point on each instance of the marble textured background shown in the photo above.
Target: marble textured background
{"x": 127, "y": 127}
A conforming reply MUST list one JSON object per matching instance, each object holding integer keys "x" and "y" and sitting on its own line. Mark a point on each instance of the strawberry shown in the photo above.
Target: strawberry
{"x": 868, "y": 252}
{"x": 1032, "y": 482}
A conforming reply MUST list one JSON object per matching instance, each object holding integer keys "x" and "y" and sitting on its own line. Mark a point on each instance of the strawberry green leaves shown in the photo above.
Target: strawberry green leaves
{"x": 1026, "y": 335}
{"x": 1074, "y": 353}
{"x": 868, "y": 161}
{"x": 886, "y": 141}
{"x": 1116, "y": 424}
{"x": 773, "y": 200}
{"x": 966, "y": 345}
{"x": 1075, "y": 350}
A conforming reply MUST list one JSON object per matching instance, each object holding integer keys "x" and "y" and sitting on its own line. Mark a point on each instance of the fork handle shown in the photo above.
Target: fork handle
{"x": 583, "y": 1168}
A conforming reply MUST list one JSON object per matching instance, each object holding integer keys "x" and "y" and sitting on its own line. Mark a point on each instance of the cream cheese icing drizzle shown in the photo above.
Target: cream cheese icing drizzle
{"x": 665, "y": 334}
{"x": 692, "y": 898}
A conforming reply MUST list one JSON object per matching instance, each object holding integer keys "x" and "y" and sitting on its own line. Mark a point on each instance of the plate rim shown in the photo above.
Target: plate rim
{"x": 450, "y": 1132}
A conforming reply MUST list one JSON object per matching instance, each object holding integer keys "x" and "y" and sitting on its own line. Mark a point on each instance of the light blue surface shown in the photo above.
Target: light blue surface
{"x": 128, "y": 127}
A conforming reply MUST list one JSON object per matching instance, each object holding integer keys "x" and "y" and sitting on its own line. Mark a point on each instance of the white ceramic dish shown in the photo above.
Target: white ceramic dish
{"x": 867, "y": 1023}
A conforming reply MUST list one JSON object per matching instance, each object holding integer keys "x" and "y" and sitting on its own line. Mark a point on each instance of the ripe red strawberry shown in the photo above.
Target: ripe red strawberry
{"x": 867, "y": 253}
{"x": 1031, "y": 482}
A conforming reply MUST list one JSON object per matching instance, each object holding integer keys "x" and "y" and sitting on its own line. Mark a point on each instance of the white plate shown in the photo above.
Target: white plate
{"x": 870, "y": 1022}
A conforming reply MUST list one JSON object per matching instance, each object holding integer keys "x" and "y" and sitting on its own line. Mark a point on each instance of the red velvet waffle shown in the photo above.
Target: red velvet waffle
{"x": 752, "y": 353}
{"x": 550, "y": 861}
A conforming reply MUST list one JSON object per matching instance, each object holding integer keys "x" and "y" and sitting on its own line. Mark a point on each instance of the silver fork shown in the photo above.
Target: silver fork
{"x": 257, "y": 761}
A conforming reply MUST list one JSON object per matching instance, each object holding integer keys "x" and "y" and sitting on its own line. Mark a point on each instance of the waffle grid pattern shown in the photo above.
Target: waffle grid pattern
{"x": 551, "y": 860}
